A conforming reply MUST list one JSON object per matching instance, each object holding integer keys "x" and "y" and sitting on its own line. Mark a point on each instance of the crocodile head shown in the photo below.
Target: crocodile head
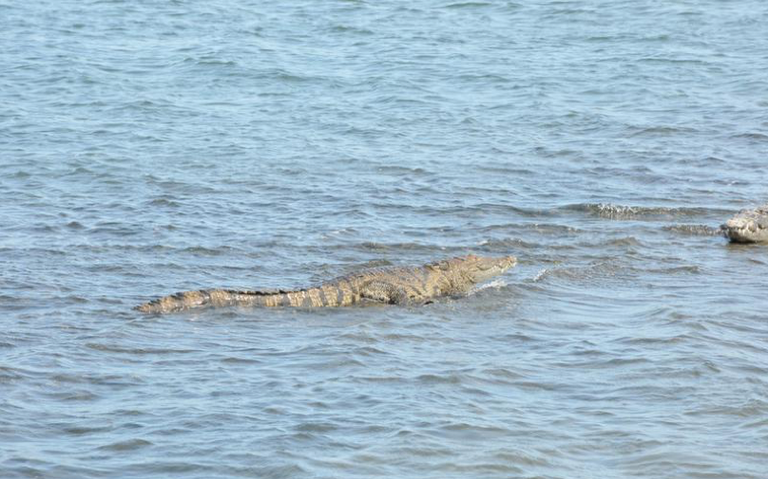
{"x": 748, "y": 226}
{"x": 478, "y": 268}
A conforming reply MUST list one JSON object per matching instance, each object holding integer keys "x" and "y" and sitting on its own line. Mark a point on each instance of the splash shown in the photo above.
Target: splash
{"x": 497, "y": 283}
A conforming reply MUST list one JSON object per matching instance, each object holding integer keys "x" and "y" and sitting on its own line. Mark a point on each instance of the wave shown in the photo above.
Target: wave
{"x": 626, "y": 212}
{"x": 694, "y": 230}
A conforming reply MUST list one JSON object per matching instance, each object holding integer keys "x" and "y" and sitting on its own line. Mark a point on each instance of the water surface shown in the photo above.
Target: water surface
{"x": 151, "y": 147}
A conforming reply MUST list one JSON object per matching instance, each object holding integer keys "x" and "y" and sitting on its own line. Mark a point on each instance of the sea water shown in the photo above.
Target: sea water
{"x": 149, "y": 147}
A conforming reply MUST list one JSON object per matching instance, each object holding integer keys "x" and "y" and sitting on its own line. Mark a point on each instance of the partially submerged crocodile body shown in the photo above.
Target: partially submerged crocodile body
{"x": 748, "y": 226}
{"x": 392, "y": 285}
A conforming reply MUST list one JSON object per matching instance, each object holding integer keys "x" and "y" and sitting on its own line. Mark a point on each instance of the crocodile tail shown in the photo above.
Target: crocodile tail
{"x": 186, "y": 300}
{"x": 205, "y": 298}
{"x": 326, "y": 295}
{"x": 323, "y": 296}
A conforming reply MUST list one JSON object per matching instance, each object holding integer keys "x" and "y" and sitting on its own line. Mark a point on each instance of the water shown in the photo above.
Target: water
{"x": 150, "y": 147}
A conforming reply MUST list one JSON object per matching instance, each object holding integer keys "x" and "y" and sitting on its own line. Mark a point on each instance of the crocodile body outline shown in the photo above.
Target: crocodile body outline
{"x": 389, "y": 285}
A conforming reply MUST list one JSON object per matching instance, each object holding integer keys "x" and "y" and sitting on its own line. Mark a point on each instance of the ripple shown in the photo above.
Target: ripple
{"x": 623, "y": 212}
{"x": 154, "y": 148}
{"x": 468, "y": 5}
{"x": 112, "y": 348}
{"x": 756, "y": 137}
{"x": 694, "y": 230}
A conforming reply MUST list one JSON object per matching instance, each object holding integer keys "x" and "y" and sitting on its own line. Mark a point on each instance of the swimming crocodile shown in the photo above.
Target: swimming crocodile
{"x": 390, "y": 285}
{"x": 748, "y": 226}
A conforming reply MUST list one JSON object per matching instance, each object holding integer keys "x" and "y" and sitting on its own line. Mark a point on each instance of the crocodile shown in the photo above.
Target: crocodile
{"x": 748, "y": 226}
{"x": 402, "y": 285}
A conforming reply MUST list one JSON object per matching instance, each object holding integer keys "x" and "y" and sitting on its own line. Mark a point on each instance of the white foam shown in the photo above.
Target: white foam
{"x": 540, "y": 275}
{"x": 496, "y": 283}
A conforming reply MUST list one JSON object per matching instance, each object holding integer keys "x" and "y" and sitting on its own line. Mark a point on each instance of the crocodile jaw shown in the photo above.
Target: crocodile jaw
{"x": 489, "y": 267}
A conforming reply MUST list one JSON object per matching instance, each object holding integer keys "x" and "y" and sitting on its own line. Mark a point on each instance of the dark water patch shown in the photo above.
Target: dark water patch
{"x": 662, "y": 131}
{"x": 600, "y": 270}
{"x": 468, "y": 5}
{"x": 8, "y": 374}
{"x": 74, "y": 430}
{"x": 373, "y": 246}
{"x": 439, "y": 379}
{"x": 618, "y": 363}
{"x": 688, "y": 269}
{"x": 197, "y": 467}
{"x": 536, "y": 228}
{"x": 205, "y": 251}
{"x": 749, "y": 409}
{"x": 369, "y": 351}
{"x": 127, "y": 445}
{"x": 74, "y": 225}
{"x": 508, "y": 244}
{"x": 164, "y": 202}
{"x": 707, "y": 161}
{"x": 353, "y": 30}
{"x": 502, "y": 375}
{"x": 137, "y": 351}
{"x": 655, "y": 341}
{"x": 620, "y": 242}
{"x": 503, "y": 169}
{"x": 240, "y": 360}
{"x": 753, "y": 136}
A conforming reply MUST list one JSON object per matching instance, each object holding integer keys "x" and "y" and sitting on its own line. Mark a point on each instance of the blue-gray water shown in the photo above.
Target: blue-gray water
{"x": 148, "y": 147}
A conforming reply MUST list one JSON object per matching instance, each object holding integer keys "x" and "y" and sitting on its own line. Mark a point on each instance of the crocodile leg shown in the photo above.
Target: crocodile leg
{"x": 383, "y": 292}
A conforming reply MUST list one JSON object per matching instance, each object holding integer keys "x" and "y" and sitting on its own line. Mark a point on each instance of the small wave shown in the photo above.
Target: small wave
{"x": 672, "y": 61}
{"x": 497, "y": 283}
{"x": 449, "y": 378}
{"x": 760, "y": 137}
{"x": 164, "y": 202}
{"x": 538, "y": 228}
{"x": 595, "y": 271}
{"x": 505, "y": 170}
{"x": 694, "y": 230}
{"x": 623, "y": 241}
{"x": 468, "y": 5}
{"x": 237, "y": 360}
{"x": 397, "y": 170}
{"x": 541, "y": 275}
{"x": 203, "y": 251}
{"x": 351, "y": 29}
{"x": 375, "y": 246}
{"x": 507, "y": 243}
{"x": 661, "y": 131}
{"x": 10, "y": 374}
{"x": 692, "y": 269}
{"x": 139, "y": 351}
{"x": 75, "y": 225}
{"x": 625, "y": 212}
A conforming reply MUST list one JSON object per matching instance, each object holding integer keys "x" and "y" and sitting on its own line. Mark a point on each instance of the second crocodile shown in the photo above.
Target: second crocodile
{"x": 748, "y": 226}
